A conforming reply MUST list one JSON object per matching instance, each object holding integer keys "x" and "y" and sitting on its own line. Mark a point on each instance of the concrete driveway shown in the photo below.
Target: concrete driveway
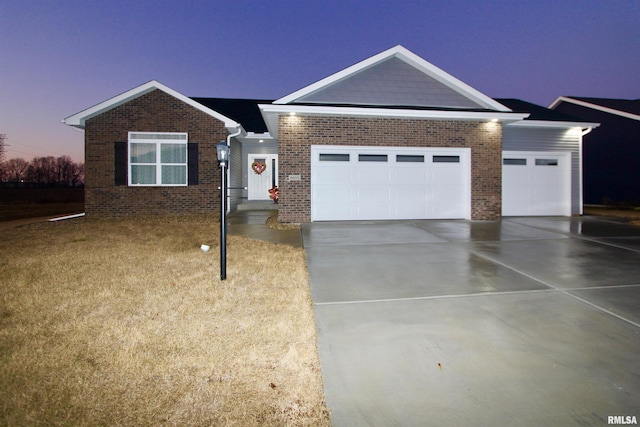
{"x": 527, "y": 321}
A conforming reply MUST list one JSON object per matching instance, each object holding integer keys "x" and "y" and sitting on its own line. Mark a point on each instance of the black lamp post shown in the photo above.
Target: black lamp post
{"x": 223, "y": 160}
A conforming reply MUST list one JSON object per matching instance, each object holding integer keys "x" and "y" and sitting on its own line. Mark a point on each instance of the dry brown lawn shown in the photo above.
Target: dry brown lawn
{"x": 125, "y": 322}
{"x": 632, "y": 215}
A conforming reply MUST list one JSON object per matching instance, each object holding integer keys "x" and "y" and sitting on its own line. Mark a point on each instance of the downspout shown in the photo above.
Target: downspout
{"x": 231, "y": 135}
{"x": 582, "y": 134}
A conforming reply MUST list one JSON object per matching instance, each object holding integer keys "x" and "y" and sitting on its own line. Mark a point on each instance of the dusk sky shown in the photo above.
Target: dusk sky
{"x": 61, "y": 57}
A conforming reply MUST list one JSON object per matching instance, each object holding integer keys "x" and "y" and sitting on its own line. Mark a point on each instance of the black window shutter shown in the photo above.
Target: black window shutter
{"x": 192, "y": 159}
{"x": 120, "y": 163}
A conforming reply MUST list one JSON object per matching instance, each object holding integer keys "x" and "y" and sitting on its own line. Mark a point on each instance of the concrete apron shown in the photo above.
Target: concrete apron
{"x": 526, "y": 321}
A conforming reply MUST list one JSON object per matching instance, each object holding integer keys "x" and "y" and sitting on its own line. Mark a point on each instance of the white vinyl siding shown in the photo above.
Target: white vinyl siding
{"x": 391, "y": 82}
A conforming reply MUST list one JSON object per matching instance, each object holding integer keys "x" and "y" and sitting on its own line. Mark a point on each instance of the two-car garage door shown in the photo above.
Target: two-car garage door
{"x": 375, "y": 183}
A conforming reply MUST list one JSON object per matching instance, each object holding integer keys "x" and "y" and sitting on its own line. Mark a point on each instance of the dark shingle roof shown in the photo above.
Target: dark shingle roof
{"x": 247, "y": 113}
{"x": 537, "y": 112}
{"x": 243, "y": 111}
{"x": 627, "y": 105}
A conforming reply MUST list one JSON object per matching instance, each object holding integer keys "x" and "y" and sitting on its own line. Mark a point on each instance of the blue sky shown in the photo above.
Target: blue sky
{"x": 62, "y": 56}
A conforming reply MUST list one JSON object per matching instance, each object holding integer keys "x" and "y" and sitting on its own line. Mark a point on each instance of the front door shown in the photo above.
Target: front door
{"x": 262, "y": 175}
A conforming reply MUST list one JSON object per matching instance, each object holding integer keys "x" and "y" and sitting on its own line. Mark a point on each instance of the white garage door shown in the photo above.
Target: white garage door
{"x": 536, "y": 183}
{"x": 373, "y": 183}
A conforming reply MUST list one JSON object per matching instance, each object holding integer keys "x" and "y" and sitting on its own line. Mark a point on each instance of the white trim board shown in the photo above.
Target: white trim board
{"x": 270, "y": 113}
{"x": 79, "y": 119}
{"x": 593, "y": 107}
{"x": 410, "y": 58}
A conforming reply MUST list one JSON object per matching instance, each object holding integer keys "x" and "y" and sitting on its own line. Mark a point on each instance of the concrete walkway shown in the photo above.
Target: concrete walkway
{"x": 526, "y": 321}
{"x": 251, "y": 222}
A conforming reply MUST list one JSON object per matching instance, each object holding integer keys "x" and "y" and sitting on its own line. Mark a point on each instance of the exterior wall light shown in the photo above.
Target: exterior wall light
{"x": 494, "y": 120}
{"x": 223, "y": 153}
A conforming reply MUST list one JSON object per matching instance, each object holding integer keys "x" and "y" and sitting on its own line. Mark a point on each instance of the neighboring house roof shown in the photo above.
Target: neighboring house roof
{"x": 629, "y": 108}
{"x": 79, "y": 119}
{"x": 244, "y": 111}
{"x": 396, "y": 76}
{"x": 542, "y": 116}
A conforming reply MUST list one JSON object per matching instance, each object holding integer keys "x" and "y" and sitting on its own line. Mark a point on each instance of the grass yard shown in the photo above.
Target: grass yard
{"x": 19, "y": 203}
{"x": 125, "y": 322}
{"x": 632, "y": 215}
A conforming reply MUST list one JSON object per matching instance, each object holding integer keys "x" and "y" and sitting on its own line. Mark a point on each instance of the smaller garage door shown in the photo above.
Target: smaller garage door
{"x": 536, "y": 183}
{"x": 358, "y": 183}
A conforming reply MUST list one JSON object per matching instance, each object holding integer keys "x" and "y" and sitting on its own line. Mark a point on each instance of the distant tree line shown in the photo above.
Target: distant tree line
{"x": 43, "y": 172}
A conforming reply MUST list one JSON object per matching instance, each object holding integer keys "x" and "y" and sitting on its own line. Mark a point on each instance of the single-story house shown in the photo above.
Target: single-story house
{"x": 611, "y": 153}
{"x": 391, "y": 137}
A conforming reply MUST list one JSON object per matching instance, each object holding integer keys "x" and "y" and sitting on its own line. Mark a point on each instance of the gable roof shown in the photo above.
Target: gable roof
{"x": 629, "y": 108}
{"x": 540, "y": 116}
{"x": 79, "y": 119}
{"x": 396, "y": 76}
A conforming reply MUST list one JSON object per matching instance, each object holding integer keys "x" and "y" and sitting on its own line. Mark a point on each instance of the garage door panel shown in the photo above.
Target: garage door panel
{"x": 409, "y": 192}
{"x": 410, "y": 176}
{"x": 371, "y": 210}
{"x": 334, "y": 176}
{"x": 446, "y": 193}
{"x": 373, "y": 193}
{"x": 367, "y": 175}
{"x": 328, "y": 211}
{"x": 444, "y": 210}
{"x": 338, "y": 193}
{"x": 411, "y": 210}
{"x": 540, "y": 185}
{"x": 413, "y": 188}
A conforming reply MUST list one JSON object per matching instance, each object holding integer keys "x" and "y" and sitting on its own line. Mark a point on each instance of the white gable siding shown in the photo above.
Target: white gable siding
{"x": 545, "y": 140}
{"x": 391, "y": 82}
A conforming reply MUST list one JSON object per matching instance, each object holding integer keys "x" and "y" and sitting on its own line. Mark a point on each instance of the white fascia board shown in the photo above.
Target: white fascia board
{"x": 553, "y": 124}
{"x": 392, "y": 112}
{"x": 450, "y": 81}
{"x": 258, "y": 135}
{"x": 271, "y": 112}
{"x": 79, "y": 119}
{"x": 255, "y": 137}
{"x": 410, "y": 58}
{"x": 561, "y": 99}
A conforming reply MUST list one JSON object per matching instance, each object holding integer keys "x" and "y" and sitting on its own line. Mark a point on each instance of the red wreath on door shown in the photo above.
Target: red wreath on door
{"x": 258, "y": 167}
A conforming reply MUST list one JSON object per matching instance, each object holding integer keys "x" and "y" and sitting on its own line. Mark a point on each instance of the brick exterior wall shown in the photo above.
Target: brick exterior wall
{"x": 155, "y": 111}
{"x": 298, "y": 133}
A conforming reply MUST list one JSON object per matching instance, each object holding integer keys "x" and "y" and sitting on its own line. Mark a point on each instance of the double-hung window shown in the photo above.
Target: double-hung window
{"x": 157, "y": 158}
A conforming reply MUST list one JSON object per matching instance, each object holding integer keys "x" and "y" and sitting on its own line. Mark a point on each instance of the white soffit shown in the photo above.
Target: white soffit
{"x": 271, "y": 112}
{"x": 79, "y": 119}
{"x": 552, "y": 124}
{"x": 410, "y": 58}
{"x": 561, "y": 99}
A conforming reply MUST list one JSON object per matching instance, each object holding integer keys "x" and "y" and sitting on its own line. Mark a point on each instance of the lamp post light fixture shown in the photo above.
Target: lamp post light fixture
{"x": 223, "y": 161}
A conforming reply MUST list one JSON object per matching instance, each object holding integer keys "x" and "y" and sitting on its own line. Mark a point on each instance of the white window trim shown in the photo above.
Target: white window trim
{"x": 158, "y": 138}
